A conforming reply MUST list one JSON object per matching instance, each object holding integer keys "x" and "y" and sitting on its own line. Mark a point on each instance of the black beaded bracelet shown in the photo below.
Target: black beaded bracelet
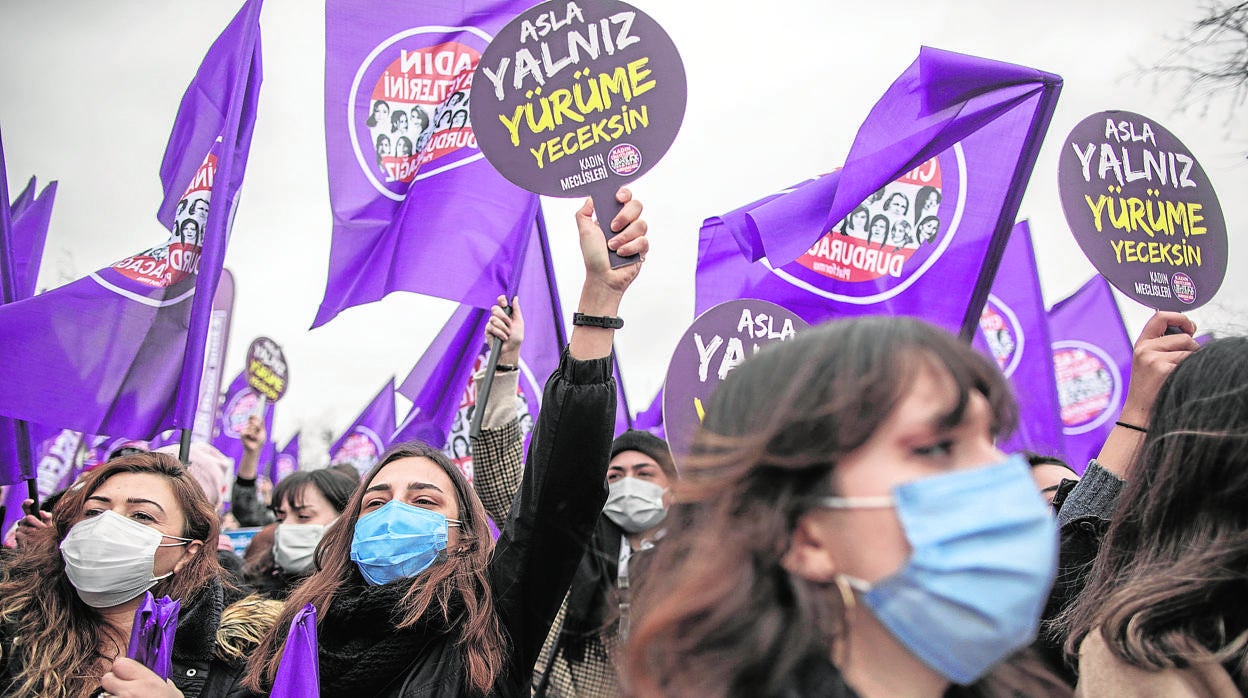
{"x": 505, "y": 368}
{"x": 608, "y": 322}
{"x": 1132, "y": 427}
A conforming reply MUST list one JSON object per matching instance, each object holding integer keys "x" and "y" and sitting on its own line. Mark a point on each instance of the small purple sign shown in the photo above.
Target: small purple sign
{"x": 577, "y": 98}
{"x": 267, "y": 373}
{"x": 718, "y": 341}
{"x": 1143, "y": 210}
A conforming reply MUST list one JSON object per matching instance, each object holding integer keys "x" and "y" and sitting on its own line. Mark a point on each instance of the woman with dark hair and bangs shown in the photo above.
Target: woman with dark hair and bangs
{"x": 414, "y": 596}
{"x": 847, "y": 527}
{"x": 69, "y": 595}
{"x": 1163, "y": 611}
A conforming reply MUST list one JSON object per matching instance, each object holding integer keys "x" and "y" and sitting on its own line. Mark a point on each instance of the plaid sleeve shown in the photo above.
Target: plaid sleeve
{"x": 497, "y": 466}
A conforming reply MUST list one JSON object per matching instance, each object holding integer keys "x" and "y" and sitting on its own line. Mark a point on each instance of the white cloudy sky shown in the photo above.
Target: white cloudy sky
{"x": 88, "y": 91}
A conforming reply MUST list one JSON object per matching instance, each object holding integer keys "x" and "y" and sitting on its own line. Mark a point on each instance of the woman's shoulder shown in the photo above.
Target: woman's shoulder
{"x": 1103, "y": 673}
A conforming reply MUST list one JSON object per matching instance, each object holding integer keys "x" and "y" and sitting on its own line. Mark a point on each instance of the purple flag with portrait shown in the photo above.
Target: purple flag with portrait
{"x": 362, "y": 443}
{"x": 240, "y": 403}
{"x": 915, "y": 222}
{"x": 299, "y": 671}
{"x": 1014, "y": 331}
{"x": 1092, "y": 363}
{"x": 286, "y": 461}
{"x": 121, "y": 350}
{"x": 416, "y": 206}
{"x": 152, "y": 635}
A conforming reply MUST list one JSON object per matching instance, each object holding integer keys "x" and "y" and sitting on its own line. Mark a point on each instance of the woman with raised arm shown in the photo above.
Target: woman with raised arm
{"x": 414, "y": 597}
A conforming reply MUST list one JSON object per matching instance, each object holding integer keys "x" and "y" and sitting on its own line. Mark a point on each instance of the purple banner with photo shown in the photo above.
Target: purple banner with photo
{"x": 915, "y": 222}
{"x": 408, "y": 184}
{"x": 241, "y": 402}
{"x": 362, "y": 443}
{"x": 1092, "y": 363}
{"x": 298, "y": 672}
{"x": 111, "y": 353}
{"x": 1143, "y": 210}
{"x": 1014, "y": 331}
{"x": 718, "y": 341}
{"x": 286, "y": 461}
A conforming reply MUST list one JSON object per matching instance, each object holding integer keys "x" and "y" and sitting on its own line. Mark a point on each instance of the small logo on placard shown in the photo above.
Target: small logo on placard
{"x": 1184, "y": 287}
{"x": 624, "y": 159}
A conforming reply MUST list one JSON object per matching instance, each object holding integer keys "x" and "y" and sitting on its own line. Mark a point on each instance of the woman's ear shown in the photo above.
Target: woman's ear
{"x": 808, "y": 557}
{"x": 192, "y": 549}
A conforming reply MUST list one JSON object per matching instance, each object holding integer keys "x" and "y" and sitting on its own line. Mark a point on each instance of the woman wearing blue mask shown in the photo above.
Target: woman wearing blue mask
{"x": 846, "y": 527}
{"x": 68, "y": 597}
{"x": 414, "y": 596}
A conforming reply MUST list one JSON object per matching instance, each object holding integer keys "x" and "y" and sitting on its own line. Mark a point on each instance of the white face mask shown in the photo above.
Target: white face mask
{"x": 294, "y": 546}
{"x": 109, "y": 558}
{"x": 635, "y": 505}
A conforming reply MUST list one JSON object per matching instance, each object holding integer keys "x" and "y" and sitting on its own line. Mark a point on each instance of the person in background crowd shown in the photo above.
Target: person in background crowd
{"x": 845, "y": 526}
{"x": 245, "y": 502}
{"x": 346, "y": 469}
{"x": 1162, "y": 610}
{"x": 578, "y": 657}
{"x": 208, "y": 466}
{"x": 415, "y": 598}
{"x": 307, "y": 503}
{"x": 1049, "y": 473}
{"x": 68, "y": 597}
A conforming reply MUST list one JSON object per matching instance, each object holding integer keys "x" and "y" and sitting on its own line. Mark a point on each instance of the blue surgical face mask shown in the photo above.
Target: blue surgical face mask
{"x": 397, "y": 541}
{"x": 984, "y": 556}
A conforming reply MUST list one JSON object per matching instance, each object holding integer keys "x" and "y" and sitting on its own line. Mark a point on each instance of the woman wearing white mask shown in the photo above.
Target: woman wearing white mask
{"x": 414, "y": 596}
{"x": 846, "y": 527}
{"x": 68, "y": 598}
{"x": 306, "y": 503}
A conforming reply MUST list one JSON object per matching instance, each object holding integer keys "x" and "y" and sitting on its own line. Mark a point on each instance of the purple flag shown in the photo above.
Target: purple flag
{"x": 916, "y": 221}
{"x": 408, "y": 185}
{"x": 30, "y": 218}
{"x": 286, "y": 461}
{"x": 240, "y": 403}
{"x": 651, "y": 418}
{"x": 362, "y": 443}
{"x": 299, "y": 671}
{"x": 111, "y": 353}
{"x": 1014, "y": 330}
{"x": 459, "y": 352}
{"x": 151, "y": 638}
{"x": 1092, "y": 362}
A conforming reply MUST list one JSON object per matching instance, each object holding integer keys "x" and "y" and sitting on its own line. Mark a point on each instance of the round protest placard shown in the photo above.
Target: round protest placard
{"x": 1143, "y": 210}
{"x": 267, "y": 373}
{"x": 718, "y": 341}
{"x": 578, "y": 98}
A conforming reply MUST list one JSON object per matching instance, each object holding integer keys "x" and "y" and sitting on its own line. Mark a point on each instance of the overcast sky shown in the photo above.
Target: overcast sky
{"x": 88, "y": 92}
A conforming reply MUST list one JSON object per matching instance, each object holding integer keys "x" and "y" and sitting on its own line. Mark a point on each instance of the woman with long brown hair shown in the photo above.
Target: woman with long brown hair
{"x": 1163, "y": 612}
{"x": 68, "y": 596}
{"x": 846, "y": 526}
{"x": 414, "y": 598}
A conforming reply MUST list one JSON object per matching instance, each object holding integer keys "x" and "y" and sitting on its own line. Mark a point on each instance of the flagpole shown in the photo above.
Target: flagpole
{"x": 1009, "y": 207}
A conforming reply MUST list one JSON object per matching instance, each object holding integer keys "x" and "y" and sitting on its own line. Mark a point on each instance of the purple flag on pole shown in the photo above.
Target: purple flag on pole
{"x": 1092, "y": 362}
{"x": 651, "y": 418}
{"x": 240, "y": 403}
{"x": 111, "y": 353}
{"x": 151, "y": 637}
{"x": 916, "y": 221}
{"x": 408, "y": 185}
{"x": 1014, "y": 330}
{"x": 30, "y": 218}
{"x": 449, "y": 364}
{"x": 362, "y": 443}
{"x": 299, "y": 671}
{"x": 286, "y": 461}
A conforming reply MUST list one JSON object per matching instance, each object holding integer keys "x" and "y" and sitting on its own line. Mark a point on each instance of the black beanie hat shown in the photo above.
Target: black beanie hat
{"x": 649, "y": 444}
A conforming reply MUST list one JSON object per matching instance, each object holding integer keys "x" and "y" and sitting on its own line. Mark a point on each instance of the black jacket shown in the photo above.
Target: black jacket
{"x": 561, "y": 494}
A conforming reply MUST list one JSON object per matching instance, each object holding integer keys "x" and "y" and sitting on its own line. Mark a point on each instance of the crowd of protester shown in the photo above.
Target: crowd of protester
{"x": 844, "y": 525}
